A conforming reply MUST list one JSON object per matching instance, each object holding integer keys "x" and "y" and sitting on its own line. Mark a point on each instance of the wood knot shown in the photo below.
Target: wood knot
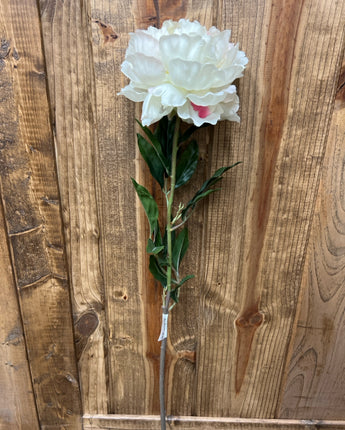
{"x": 87, "y": 323}
{"x": 108, "y": 32}
{"x": 84, "y": 327}
{"x": 187, "y": 355}
{"x": 250, "y": 320}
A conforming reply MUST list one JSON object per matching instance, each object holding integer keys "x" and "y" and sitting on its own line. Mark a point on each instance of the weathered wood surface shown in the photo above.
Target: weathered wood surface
{"x": 123, "y": 422}
{"x": 235, "y": 340}
{"x": 315, "y": 385}
{"x": 231, "y": 332}
{"x": 128, "y": 376}
{"x": 17, "y": 403}
{"x": 252, "y": 281}
{"x": 30, "y": 200}
{"x": 66, "y": 35}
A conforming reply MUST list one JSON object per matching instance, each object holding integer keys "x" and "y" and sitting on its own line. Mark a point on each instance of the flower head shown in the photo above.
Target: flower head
{"x": 184, "y": 66}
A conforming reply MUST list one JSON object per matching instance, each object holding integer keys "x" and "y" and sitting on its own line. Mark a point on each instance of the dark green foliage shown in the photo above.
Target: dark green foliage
{"x": 157, "y": 271}
{"x": 156, "y": 150}
{"x": 152, "y": 159}
{"x": 149, "y": 205}
{"x": 180, "y": 247}
{"x": 205, "y": 190}
{"x": 152, "y": 248}
{"x": 188, "y": 160}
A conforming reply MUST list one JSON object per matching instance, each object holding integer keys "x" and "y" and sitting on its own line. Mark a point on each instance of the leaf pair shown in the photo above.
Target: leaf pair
{"x": 205, "y": 190}
{"x": 158, "y": 261}
{"x": 156, "y": 151}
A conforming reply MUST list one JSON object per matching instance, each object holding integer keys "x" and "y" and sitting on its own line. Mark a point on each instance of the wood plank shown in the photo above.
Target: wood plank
{"x": 67, "y": 46}
{"x": 129, "y": 376}
{"x": 256, "y": 242}
{"x": 17, "y": 403}
{"x": 30, "y": 199}
{"x": 315, "y": 385}
{"x": 183, "y": 328}
{"x": 127, "y": 422}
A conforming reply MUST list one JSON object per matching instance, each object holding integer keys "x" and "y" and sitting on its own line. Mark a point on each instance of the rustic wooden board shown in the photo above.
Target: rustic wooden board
{"x": 17, "y": 403}
{"x": 200, "y": 423}
{"x": 67, "y": 46}
{"x": 128, "y": 372}
{"x": 253, "y": 269}
{"x": 30, "y": 199}
{"x": 315, "y": 385}
{"x": 231, "y": 332}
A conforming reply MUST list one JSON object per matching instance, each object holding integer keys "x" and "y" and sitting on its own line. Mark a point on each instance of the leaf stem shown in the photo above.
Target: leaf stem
{"x": 170, "y": 201}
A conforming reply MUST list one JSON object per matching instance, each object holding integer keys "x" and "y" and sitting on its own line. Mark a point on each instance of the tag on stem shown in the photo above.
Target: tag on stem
{"x": 164, "y": 329}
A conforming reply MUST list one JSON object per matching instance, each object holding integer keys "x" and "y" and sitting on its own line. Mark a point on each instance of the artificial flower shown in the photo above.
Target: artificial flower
{"x": 184, "y": 68}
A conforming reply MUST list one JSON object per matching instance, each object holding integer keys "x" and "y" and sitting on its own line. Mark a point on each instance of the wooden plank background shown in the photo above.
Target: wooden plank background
{"x": 258, "y": 334}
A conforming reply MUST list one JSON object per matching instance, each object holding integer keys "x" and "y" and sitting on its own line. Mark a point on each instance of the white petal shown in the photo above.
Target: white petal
{"x": 142, "y": 42}
{"x": 192, "y": 75}
{"x": 181, "y": 46}
{"x": 233, "y": 72}
{"x": 170, "y": 95}
{"x": 153, "y": 110}
{"x": 219, "y": 44}
{"x": 183, "y": 26}
{"x": 211, "y": 98}
{"x": 147, "y": 71}
{"x": 241, "y": 58}
{"x": 230, "y": 108}
{"x": 134, "y": 94}
{"x": 188, "y": 114}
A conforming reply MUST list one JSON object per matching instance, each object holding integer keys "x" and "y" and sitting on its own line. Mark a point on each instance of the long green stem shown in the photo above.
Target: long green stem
{"x": 170, "y": 201}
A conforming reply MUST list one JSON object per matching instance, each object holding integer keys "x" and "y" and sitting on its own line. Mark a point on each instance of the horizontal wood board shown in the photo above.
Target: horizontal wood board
{"x": 127, "y": 422}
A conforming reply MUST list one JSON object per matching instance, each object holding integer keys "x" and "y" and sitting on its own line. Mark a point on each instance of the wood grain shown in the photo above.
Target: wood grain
{"x": 30, "y": 199}
{"x": 67, "y": 45}
{"x": 17, "y": 403}
{"x": 128, "y": 371}
{"x": 256, "y": 242}
{"x": 243, "y": 341}
{"x": 315, "y": 385}
{"x": 123, "y": 422}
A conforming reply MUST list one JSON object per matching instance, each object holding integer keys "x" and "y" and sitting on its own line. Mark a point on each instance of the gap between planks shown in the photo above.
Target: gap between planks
{"x": 141, "y": 422}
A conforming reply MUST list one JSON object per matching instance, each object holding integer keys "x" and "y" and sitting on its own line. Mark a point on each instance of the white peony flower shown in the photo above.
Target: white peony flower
{"x": 183, "y": 66}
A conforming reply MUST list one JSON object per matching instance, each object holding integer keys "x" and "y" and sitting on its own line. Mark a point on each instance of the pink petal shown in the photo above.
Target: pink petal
{"x": 203, "y": 111}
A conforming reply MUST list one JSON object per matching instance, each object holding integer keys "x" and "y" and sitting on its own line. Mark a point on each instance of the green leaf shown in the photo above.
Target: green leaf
{"x": 152, "y": 248}
{"x": 174, "y": 295}
{"x": 204, "y": 190}
{"x": 185, "y": 279}
{"x": 157, "y": 147}
{"x": 149, "y": 204}
{"x": 157, "y": 239}
{"x": 164, "y": 134}
{"x": 187, "y": 134}
{"x": 175, "y": 292}
{"x": 157, "y": 272}
{"x": 180, "y": 248}
{"x": 190, "y": 130}
{"x": 152, "y": 160}
{"x": 203, "y": 195}
{"x": 187, "y": 164}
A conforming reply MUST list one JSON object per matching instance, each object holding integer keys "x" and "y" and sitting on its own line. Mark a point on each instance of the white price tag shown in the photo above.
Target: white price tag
{"x": 164, "y": 328}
